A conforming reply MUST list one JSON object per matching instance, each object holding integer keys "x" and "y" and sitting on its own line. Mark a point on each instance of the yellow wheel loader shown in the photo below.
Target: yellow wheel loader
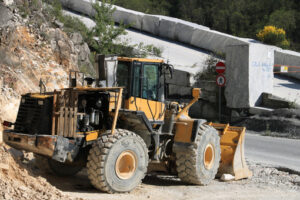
{"x": 129, "y": 121}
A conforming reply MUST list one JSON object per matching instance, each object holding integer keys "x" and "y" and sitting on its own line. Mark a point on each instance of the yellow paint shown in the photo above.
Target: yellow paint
{"x": 116, "y": 113}
{"x": 184, "y": 130}
{"x": 112, "y": 100}
{"x": 139, "y": 60}
{"x": 184, "y": 112}
{"x": 92, "y": 135}
{"x": 232, "y": 150}
{"x": 196, "y": 93}
{"x": 39, "y": 96}
{"x": 157, "y": 108}
{"x": 96, "y": 88}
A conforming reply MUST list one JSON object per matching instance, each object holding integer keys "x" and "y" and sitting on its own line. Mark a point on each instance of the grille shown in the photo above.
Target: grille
{"x": 34, "y": 116}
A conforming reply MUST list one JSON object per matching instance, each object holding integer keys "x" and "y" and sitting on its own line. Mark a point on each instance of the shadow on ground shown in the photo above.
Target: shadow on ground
{"x": 80, "y": 182}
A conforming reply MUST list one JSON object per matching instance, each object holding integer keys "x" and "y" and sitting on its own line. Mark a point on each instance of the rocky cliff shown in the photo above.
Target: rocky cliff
{"x": 32, "y": 48}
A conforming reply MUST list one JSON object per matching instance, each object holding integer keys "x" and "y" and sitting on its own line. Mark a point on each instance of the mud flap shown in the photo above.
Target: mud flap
{"x": 232, "y": 141}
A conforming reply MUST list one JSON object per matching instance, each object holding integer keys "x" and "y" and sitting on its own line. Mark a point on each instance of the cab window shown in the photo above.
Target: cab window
{"x": 150, "y": 82}
{"x": 137, "y": 80}
{"x": 122, "y": 74}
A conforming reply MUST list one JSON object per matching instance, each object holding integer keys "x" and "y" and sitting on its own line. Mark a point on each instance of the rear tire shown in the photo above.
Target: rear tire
{"x": 198, "y": 163}
{"x": 117, "y": 163}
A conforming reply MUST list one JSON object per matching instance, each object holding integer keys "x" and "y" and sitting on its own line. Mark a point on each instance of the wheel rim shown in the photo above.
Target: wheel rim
{"x": 126, "y": 165}
{"x": 209, "y": 156}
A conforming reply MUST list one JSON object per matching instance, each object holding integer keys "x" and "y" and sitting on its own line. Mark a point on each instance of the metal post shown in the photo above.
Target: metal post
{"x": 220, "y": 104}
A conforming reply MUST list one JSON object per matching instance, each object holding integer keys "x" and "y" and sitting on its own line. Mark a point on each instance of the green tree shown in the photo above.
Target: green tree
{"x": 105, "y": 30}
{"x": 285, "y": 19}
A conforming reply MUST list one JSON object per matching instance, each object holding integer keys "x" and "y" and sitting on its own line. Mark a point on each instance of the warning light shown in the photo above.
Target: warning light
{"x": 7, "y": 124}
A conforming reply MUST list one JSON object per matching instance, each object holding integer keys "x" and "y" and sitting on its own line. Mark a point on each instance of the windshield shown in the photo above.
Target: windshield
{"x": 150, "y": 83}
{"x": 122, "y": 74}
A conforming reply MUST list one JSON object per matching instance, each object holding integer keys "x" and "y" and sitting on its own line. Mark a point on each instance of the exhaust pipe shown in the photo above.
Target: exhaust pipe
{"x": 100, "y": 69}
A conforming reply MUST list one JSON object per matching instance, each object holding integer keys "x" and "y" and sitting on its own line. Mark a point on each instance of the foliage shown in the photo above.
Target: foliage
{"x": 209, "y": 71}
{"x": 146, "y": 50}
{"x": 27, "y": 6}
{"x": 105, "y": 29}
{"x": 103, "y": 38}
{"x": 274, "y": 36}
{"x": 71, "y": 24}
{"x": 285, "y": 19}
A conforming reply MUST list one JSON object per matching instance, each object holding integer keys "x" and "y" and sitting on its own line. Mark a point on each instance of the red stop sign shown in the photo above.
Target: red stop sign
{"x": 220, "y": 67}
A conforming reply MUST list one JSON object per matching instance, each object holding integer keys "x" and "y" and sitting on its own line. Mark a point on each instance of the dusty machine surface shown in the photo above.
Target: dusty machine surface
{"x": 128, "y": 122}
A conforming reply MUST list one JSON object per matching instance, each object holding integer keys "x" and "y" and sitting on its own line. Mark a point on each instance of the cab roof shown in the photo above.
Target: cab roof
{"x": 126, "y": 59}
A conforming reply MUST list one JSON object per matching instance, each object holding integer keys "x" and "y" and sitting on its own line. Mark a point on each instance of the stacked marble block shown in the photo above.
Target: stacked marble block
{"x": 249, "y": 64}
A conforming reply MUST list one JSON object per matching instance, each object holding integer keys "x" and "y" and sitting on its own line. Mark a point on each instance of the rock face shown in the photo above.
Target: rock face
{"x": 24, "y": 60}
{"x": 71, "y": 51}
{"x": 84, "y": 54}
{"x": 5, "y": 16}
{"x": 30, "y": 52}
{"x": 8, "y": 2}
{"x": 63, "y": 48}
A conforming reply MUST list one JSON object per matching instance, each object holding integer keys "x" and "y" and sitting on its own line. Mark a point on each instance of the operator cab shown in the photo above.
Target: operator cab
{"x": 147, "y": 83}
{"x": 141, "y": 81}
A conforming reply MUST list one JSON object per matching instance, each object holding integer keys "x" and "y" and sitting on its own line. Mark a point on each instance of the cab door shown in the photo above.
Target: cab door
{"x": 145, "y": 93}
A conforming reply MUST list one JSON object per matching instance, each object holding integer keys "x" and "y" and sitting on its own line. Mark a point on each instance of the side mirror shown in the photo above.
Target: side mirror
{"x": 167, "y": 70}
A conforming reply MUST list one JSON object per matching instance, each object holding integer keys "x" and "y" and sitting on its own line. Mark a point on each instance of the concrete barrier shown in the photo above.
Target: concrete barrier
{"x": 289, "y": 58}
{"x": 214, "y": 40}
{"x": 249, "y": 64}
{"x": 184, "y": 31}
{"x": 82, "y": 6}
{"x": 167, "y": 29}
{"x": 151, "y": 24}
{"x": 128, "y": 17}
{"x": 249, "y": 73}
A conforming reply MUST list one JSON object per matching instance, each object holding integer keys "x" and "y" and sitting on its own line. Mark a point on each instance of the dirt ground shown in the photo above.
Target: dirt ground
{"x": 167, "y": 187}
{"x": 21, "y": 179}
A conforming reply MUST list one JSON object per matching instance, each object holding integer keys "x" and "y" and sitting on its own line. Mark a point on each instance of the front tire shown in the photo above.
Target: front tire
{"x": 117, "y": 163}
{"x": 198, "y": 163}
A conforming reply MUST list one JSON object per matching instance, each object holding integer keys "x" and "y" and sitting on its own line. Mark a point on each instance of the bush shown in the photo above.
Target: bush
{"x": 273, "y": 36}
{"x": 209, "y": 71}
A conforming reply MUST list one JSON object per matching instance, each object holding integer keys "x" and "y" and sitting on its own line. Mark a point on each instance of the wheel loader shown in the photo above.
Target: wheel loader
{"x": 131, "y": 120}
